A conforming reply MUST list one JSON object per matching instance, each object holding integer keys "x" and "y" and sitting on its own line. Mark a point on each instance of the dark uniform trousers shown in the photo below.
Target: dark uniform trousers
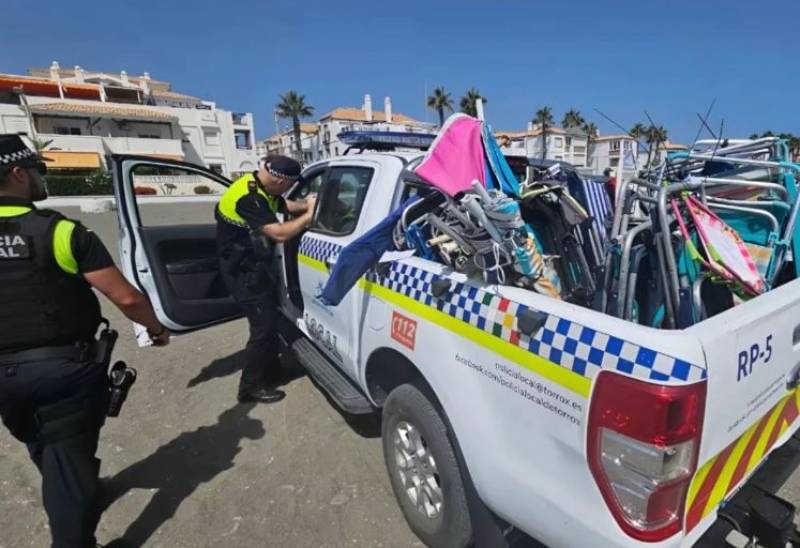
{"x": 57, "y": 407}
{"x": 257, "y": 294}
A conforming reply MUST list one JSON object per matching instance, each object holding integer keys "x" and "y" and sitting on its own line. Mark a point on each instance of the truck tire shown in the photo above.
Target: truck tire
{"x": 423, "y": 468}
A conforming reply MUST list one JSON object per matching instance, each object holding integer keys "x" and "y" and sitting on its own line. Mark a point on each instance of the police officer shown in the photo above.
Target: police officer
{"x": 53, "y": 393}
{"x": 247, "y": 229}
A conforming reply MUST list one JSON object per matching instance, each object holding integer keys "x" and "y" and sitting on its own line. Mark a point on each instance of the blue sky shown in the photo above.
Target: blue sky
{"x": 669, "y": 57}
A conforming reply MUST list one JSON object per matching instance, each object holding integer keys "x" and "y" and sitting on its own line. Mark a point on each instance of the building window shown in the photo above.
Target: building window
{"x": 242, "y": 139}
{"x": 211, "y": 137}
{"x": 239, "y": 118}
{"x": 149, "y": 136}
{"x": 626, "y": 145}
{"x": 568, "y": 141}
{"x": 61, "y": 130}
{"x": 614, "y": 146}
{"x": 614, "y": 162}
{"x": 216, "y": 168}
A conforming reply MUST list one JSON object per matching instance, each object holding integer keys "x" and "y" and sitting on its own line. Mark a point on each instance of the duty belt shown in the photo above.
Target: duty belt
{"x": 80, "y": 351}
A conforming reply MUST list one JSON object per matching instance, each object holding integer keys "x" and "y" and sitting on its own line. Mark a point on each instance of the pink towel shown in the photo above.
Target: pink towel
{"x": 456, "y": 157}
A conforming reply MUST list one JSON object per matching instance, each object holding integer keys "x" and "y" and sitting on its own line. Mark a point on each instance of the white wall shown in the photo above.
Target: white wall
{"x": 189, "y": 129}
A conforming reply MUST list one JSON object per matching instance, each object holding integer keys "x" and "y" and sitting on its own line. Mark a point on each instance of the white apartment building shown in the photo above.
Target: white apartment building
{"x": 85, "y": 115}
{"x": 284, "y": 143}
{"x": 561, "y": 144}
{"x": 617, "y": 152}
{"x": 657, "y": 155}
{"x": 321, "y": 140}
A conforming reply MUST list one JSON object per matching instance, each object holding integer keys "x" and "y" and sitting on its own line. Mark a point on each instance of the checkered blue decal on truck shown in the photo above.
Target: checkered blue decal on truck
{"x": 580, "y": 349}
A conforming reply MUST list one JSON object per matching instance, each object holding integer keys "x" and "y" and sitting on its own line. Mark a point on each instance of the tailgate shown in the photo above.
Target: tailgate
{"x": 752, "y": 354}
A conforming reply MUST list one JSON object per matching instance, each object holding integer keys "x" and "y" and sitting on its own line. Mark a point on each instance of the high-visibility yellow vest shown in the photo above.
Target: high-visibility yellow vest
{"x": 239, "y": 189}
{"x": 62, "y": 238}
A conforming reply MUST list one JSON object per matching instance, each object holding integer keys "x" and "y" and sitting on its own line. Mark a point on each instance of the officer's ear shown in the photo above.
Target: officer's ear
{"x": 18, "y": 176}
{"x": 10, "y": 175}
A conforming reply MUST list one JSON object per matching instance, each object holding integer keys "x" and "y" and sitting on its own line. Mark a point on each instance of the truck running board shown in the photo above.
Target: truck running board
{"x": 333, "y": 382}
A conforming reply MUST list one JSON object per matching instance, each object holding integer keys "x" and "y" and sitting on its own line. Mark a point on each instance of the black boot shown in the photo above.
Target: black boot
{"x": 262, "y": 395}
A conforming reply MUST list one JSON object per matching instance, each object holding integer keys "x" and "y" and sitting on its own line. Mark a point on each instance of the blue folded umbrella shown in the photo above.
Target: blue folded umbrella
{"x": 498, "y": 165}
{"x": 359, "y": 256}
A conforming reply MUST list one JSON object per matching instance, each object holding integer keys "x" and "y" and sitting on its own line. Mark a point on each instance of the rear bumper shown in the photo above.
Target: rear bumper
{"x": 769, "y": 478}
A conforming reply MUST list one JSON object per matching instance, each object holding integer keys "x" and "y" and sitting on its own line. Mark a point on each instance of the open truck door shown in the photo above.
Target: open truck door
{"x": 167, "y": 243}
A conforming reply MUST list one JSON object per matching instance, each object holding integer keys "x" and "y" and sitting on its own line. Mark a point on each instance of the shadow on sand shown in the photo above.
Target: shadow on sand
{"x": 178, "y": 468}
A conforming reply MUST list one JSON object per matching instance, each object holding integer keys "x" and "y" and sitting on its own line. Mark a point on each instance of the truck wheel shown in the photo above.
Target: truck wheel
{"x": 423, "y": 469}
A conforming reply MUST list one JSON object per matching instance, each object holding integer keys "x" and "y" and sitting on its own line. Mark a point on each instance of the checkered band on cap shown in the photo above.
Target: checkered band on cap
{"x": 16, "y": 156}
{"x": 280, "y": 175}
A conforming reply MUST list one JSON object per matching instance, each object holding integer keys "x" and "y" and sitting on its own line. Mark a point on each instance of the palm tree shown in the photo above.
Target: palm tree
{"x": 590, "y": 128}
{"x": 468, "y": 101}
{"x": 40, "y": 145}
{"x": 794, "y": 147}
{"x": 753, "y": 136}
{"x": 572, "y": 119}
{"x": 440, "y": 101}
{"x": 638, "y": 131}
{"x": 293, "y": 106}
{"x": 655, "y": 136}
{"x": 544, "y": 118}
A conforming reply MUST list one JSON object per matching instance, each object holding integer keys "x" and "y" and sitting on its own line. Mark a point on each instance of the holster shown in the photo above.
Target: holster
{"x": 104, "y": 346}
{"x": 233, "y": 259}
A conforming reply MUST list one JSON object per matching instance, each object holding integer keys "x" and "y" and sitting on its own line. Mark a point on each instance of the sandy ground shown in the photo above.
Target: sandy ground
{"x": 188, "y": 467}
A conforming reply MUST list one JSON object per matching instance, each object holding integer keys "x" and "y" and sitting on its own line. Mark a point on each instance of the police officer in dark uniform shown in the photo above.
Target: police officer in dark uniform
{"x": 247, "y": 229}
{"x": 53, "y": 393}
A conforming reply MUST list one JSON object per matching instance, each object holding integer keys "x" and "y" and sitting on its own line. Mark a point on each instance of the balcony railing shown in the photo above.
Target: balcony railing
{"x": 117, "y": 145}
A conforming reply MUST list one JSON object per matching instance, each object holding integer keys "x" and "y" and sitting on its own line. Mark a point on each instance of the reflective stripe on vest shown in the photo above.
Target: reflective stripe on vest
{"x": 237, "y": 190}
{"x": 62, "y": 238}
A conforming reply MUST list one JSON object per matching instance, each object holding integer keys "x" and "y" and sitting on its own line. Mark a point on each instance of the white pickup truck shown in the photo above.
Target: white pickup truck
{"x": 504, "y": 411}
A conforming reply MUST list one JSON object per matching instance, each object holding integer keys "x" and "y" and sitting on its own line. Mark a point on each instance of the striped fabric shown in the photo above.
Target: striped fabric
{"x": 598, "y": 204}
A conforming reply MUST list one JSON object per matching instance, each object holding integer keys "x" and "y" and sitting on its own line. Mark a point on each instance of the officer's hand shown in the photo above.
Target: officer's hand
{"x": 162, "y": 339}
{"x": 311, "y": 203}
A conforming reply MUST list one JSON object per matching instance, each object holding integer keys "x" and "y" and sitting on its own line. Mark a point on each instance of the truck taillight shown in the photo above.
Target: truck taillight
{"x": 642, "y": 447}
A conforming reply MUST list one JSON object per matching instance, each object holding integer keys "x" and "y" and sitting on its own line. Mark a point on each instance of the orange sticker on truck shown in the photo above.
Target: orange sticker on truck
{"x": 404, "y": 330}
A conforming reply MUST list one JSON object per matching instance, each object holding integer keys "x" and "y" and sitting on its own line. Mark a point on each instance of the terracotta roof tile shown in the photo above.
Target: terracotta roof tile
{"x": 552, "y": 130}
{"x": 174, "y": 95}
{"x": 358, "y": 115}
{"x": 602, "y": 138}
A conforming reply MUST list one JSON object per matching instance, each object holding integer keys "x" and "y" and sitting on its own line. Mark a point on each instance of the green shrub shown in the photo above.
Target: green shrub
{"x": 65, "y": 183}
{"x": 202, "y": 189}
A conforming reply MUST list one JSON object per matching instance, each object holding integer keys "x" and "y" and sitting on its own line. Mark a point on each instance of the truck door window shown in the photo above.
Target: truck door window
{"x": 310, "y": 185}
{"x": 155, "y": 185}
{"x": 341, "y": 198}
